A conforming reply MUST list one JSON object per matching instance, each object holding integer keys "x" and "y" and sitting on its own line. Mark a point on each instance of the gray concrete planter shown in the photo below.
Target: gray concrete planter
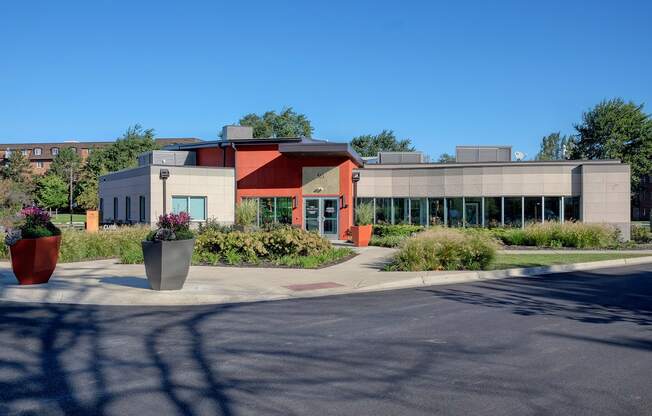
{"x": 167, "y": 263}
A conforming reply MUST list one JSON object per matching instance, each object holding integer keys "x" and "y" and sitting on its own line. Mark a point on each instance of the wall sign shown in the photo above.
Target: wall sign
{"x": 321, "y": 180}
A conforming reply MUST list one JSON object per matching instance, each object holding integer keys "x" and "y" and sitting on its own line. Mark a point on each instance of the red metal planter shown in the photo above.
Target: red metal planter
{"x": 34, "y": 259}
{"x": 361, "y": 235}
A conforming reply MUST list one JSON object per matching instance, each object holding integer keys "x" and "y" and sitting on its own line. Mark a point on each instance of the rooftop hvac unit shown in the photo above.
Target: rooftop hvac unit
{"x": 401, "y": 158}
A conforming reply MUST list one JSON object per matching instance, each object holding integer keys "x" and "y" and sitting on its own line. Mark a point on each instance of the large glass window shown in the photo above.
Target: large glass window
{"x": 265, "y": 211}
{"x": 273, "y": 210}
{"x": 533, "y": 207}
{"x": 492, "y": 212}
{"x": 572, "y": 208}
{"x": 115, "y": 208}
{"x": 195, "y": 206}
{"x": 101, "y": 210}
{"x": 418, "y": 211}
{"x": 400, "y": 211}
{"x": 454, "y": 212}
{"x": 383, "y": 210}
{"x": 436, "y": 211}
{"x": 552, "y": 208}
{"x": 513, "y": 212}
{"x": 473, "y": 211}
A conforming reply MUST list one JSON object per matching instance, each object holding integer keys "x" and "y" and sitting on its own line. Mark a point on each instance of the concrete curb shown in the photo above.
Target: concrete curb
{"x": 443, "y": 278}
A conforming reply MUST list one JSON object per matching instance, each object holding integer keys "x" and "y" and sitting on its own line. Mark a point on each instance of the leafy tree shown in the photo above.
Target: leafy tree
{"x": 88, "y": 196}
{"x": 385, "y": 141}
{"x": 614, "y": 129}
{"x": 123, "y": 153}
{"x": 287, "y": 123}
{"x": 12, "y": 198}
{"x": 446, "y": 158}
{"x": 52, "y": 191}
{"x": 555, "y": 147}
{"x": 66, "y": 159}
{"x": 16, "y": 168}
{"x": 119, "y": 155}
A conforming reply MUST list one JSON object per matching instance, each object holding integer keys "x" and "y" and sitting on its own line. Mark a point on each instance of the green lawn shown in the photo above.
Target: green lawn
{"x": 510, "y": 261}
{"x": 64, "y": 218}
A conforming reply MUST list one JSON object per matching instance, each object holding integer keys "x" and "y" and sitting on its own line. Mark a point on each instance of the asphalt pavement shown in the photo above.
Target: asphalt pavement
{"x": 564, "y": 344}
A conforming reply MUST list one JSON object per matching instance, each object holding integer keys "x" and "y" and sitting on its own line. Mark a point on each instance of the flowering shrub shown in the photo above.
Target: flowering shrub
{"x": 172, "y": 227}
{"x": 32, "y": 222}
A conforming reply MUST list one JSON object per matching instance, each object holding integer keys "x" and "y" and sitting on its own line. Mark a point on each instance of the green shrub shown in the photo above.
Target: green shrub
{"x": 641, "y": 234}
{"x": 387, "y": 241}
{"x": 404, "y": 230}
{"x": 213, "y": 245}
{"x": 445, "y": 249}
{"x": 123, "y": 243}
{"x": 553, "y": 234}
{"x": 364, "y": 214}
{"x": 246, "y": 212}
{"x": 316, "y": 260}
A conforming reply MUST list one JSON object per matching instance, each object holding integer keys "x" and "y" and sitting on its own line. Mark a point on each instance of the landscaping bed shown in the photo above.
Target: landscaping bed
{"x": 280, "y": 246}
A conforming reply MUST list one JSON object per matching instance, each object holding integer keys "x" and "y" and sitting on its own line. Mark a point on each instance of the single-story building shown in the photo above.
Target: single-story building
{"x": 313, "y": 184}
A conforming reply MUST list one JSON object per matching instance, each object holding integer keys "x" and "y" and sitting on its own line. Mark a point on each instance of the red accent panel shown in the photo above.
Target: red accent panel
{"x": 261, "y": 170}
{"x": 214, "y": 156}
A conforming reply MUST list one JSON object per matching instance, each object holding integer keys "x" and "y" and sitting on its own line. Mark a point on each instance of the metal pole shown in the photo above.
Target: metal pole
{"x": 70, "y": 200}
{"x": 165, "y": 198}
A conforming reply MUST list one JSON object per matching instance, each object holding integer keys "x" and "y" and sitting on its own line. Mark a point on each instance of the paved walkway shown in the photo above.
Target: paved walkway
{"x": 106, "y": 282}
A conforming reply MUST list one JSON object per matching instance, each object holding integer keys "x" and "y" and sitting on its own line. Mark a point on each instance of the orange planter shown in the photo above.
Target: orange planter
{"x": 361, "y": 235}
{"x": 34, "y": 259}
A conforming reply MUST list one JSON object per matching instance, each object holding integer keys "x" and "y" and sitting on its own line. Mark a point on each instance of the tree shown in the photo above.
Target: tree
{"x": 119, "y": 155}
{"x": 385, "y": 141}
{"x": 12, "y": 198}
{"x": 52, "y": 191}
{"x": 287, "y": 123}
{"x": 614, "y": 129}
{"x": 88, "y": 196}
{"x": 123, "y": 153}
{"x": 555, "y": 147}
{"x": 446, "y": 158}
{"x": 66, "y": 159}
{"x": 16, "y": 168}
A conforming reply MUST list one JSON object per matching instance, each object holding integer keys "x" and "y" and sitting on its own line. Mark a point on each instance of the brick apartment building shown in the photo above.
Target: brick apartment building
{"x": 41, "y": 155}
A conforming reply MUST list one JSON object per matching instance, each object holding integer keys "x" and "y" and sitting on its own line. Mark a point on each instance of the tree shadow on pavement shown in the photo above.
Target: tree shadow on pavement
{"x": 589, "y": 297}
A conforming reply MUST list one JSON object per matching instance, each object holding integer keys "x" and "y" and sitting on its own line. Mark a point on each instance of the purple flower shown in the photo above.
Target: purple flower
{"x": 35, "y": 215}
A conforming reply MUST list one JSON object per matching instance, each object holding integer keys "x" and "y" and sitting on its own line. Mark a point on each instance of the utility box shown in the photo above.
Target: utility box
{"x": 482, "y": 154}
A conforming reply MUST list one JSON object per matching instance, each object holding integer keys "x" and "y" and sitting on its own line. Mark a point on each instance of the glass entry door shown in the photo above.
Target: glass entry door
{"x": 321, "y": 215}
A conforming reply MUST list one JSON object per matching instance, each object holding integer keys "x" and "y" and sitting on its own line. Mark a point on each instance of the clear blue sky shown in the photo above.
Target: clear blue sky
{"x": 440, "y": 73}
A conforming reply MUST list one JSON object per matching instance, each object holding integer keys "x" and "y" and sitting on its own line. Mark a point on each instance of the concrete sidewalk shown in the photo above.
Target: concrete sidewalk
{"x": 105, "y": 282}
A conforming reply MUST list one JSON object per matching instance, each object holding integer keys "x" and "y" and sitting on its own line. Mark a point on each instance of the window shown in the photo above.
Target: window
{"x": 115, "y": 208}
{"x": 473, "y": 212}
{"x": 273, "y": 210}
{"x": 419, "y": 211}
{"x": 54, "y": 151}
{"x": 127, "y": 208}
{"x": 141, "y": 209}
{"x": 39, "y": 164}
{"x": 400, "y": 213}
{"x": 37, "y": 151}
{"x": 436, "y": 211}
{"x": 492, "y": 212}
{"x": 454, "y": 210}
{"x": 25, "y": 152}
{"x": 101, "y": 210}
{"x": 383, "y": 210}
{"x": 74, "y": 149}
{"x": 532, "y": 211}
{"x": 552, "y": 208}
{"x": 195, "y": 206}
{"x": 513, "y": 211}
{"x": 8, "y": 153}
{"x": 572, "y": 208}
